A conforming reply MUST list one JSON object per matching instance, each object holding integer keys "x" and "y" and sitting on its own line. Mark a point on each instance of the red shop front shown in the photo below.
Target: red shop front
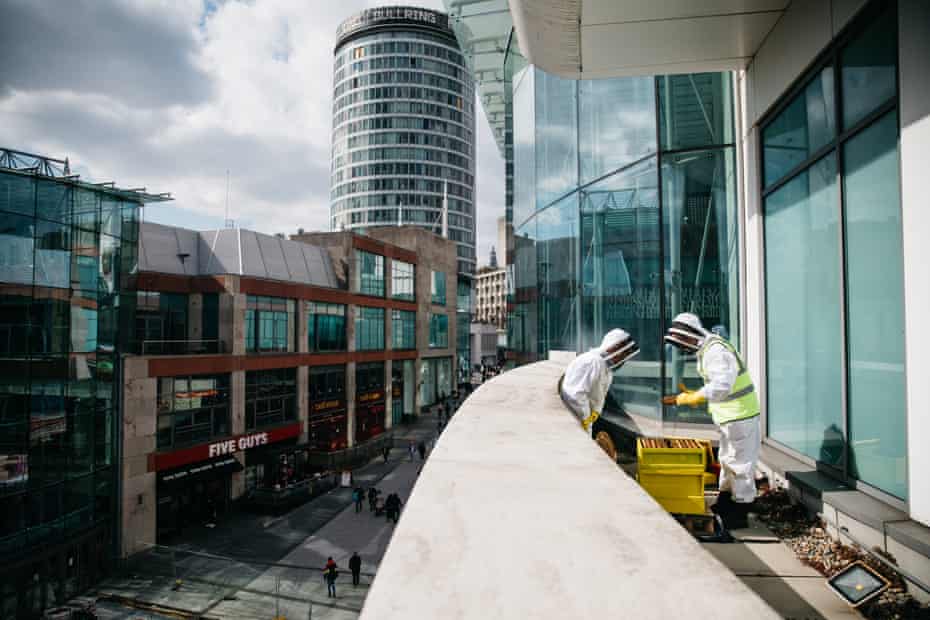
{"x": 194, "y": 484}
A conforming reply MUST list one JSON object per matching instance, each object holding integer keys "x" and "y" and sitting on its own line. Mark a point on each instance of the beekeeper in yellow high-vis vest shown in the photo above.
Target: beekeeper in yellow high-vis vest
{"x": 734, "y": 406}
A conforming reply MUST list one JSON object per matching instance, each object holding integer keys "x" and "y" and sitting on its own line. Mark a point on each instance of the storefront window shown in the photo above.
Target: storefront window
{"x": 403, "y": 389}
{"x": 369, "y": 400}
{"x": 435, "y": 380}
{"x": 270, "y": 397}
{"x": 403, "y": 330}
{"x": 846, "y": 205}
{"x": 438, "y": 331}
{"x": 438, "y": 288}
{"x": 269, "y": 324}
{"x": 369, "y": 329}
{"x": 369, "y": 274}
{"x": 192, "y": 409}
{"x": 326, "y": 327}
{"x": 328, "y": 421}
{"x": 403, "y": 279}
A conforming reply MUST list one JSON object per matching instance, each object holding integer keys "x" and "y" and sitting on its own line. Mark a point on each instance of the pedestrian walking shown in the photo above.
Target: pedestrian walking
{"x": 392, "y": 506}
{"x": 421, "y": 448}
{"x": 330, "y": 572}
{"x": 411, "y": 450}
{"x": 385, "y": 452}
{"x": 372, "y": 498}
{"x": 357, "y": 495}
{"x": 355, "y": 565}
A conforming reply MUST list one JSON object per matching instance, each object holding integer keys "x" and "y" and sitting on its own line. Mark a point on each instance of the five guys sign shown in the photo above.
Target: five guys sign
{"x": 224, "y": 447}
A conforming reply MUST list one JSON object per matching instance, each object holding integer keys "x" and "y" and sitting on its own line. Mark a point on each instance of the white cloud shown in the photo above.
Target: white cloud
{"x": 172, "y": 94}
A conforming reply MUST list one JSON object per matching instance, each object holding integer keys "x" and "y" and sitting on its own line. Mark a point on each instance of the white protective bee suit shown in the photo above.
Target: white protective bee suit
{"x": 740, "y": 432}
{"x": 587, "y": 379}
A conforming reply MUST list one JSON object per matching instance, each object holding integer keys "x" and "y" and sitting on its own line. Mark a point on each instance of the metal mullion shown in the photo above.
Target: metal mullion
{"x": 794, "y": 172}
{"x": 868, "y": 119}
{"x": 661, "y": 223}
{"x": 844, "y": 336}
{"x": 697, "y": 149}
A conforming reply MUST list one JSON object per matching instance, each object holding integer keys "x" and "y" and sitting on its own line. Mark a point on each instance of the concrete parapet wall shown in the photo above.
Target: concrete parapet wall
{"x": 517, "y": 514}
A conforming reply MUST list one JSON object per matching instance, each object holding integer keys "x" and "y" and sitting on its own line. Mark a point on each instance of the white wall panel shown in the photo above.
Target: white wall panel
{"x": 802, "y": 32}
{"x": 914, "y": 58}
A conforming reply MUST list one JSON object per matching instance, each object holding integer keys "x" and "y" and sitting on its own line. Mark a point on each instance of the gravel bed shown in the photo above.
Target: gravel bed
{"x": 814, "y": 547}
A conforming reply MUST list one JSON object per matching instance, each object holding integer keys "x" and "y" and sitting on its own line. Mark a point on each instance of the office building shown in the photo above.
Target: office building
{"x": 403, "y": 140}
{"x": 760, "y": 165}
{"x": 68, "y": 250}
{"x": 491, "y": 296}
{"x": 259, "y": 361}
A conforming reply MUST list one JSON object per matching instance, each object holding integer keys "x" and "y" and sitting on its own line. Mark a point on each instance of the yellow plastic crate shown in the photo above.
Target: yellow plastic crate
{"x": 681, "y": 492}
{"x": 661, "y": 453}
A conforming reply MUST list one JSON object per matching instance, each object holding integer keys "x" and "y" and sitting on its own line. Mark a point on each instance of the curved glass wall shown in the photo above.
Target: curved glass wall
{"x": 624, "y": 214}
{"x": 404, "y": 135}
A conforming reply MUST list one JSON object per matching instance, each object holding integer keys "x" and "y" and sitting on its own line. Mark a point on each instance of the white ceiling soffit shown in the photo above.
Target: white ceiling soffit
{"x": 612, "y": 38}
{"x": 482, "y": 28}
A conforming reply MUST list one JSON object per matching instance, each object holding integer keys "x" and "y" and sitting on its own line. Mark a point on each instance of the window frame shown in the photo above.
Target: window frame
{"x": 313, "y": 325}
{"x": 256, "y": 395}
{"x": 223, "y": 388}
{"x": 829, "y": 57}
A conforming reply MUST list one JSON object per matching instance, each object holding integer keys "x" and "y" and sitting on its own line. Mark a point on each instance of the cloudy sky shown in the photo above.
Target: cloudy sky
{"x": 170, "y": 94}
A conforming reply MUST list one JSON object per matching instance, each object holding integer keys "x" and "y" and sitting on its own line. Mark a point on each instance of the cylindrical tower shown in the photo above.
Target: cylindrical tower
{"x": 403, "y": 126}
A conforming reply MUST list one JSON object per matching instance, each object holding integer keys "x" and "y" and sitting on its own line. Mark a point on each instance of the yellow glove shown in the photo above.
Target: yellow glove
{"x": 691, "y": 399}
{"x": 588, "y": 421}
{"x": 682, "y": 388}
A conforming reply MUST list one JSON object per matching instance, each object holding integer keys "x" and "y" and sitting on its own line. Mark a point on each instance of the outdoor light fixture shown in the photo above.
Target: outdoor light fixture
{"x": 858, "y": 583}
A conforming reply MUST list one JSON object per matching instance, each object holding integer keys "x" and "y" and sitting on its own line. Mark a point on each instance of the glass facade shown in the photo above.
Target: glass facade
{"x": 624, "y": 214}
{"x": 192, "y": 410}
{"x": 403, "y": 280}
{"x": 438, "y": 331}
{"x": 269, "y": 324}
{"x": 161, "y": 322}
{"x": 369, "y": 329}
{"x": 404, "y": 132}
{"x": 270, "y": 397}
{"x": 326, "y": 327}
{"x": 403, "y": 330}
{"x": 65, "y": 316}
{"x": 463, "y": 313}
{"x": 435, "y": 380}
{"x": 834, "y": 265}
{"x": 438, "y": 288}
{"x": 368, "y": 276}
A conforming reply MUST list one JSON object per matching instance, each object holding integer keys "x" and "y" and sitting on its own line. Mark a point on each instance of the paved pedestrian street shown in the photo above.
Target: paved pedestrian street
{"x": 254, "y": 566}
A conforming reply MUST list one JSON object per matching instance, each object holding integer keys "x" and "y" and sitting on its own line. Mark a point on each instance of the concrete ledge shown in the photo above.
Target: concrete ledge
{"x": 518, "y": 514}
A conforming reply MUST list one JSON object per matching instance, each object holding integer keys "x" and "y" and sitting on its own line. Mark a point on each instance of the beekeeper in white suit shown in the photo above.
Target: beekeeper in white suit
{"x": 733, "y": 404}
{"x": 587, "y": 379}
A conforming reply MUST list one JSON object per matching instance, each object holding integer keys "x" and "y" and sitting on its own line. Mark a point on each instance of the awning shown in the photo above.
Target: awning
{"x": 212, "y": 468}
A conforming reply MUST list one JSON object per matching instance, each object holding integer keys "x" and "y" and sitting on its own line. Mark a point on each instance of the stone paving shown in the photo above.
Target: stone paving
{"x": 235, "y": 569}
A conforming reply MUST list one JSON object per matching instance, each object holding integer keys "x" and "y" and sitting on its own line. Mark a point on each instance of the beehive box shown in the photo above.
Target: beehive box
{"x": 672, "y": 471}
{"x": 671, "y": 453}
{"x": 677, "y": 492}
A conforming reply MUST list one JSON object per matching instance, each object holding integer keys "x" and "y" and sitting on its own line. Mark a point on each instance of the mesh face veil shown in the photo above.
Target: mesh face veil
{"x": 617, "y": 347}
{"x": 686, "y": 332}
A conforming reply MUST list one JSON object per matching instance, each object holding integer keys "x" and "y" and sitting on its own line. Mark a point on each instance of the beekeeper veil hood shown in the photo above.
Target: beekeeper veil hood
{"x": 617, "y": 347}
{"x": 686, "y": 332}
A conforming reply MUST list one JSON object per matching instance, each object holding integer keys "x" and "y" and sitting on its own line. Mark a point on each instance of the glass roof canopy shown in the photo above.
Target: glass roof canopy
{"x": 482, "y": 28}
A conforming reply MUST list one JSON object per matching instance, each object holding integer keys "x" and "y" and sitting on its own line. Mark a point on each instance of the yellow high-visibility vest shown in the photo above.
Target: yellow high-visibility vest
{"x": 742, "y": 402}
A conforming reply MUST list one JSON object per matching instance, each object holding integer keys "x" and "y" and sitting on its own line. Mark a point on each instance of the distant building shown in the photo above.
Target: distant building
{"x": 491, "y": 297}
{"x": 403, "y": 127}
{"x": 259, "y": 360}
